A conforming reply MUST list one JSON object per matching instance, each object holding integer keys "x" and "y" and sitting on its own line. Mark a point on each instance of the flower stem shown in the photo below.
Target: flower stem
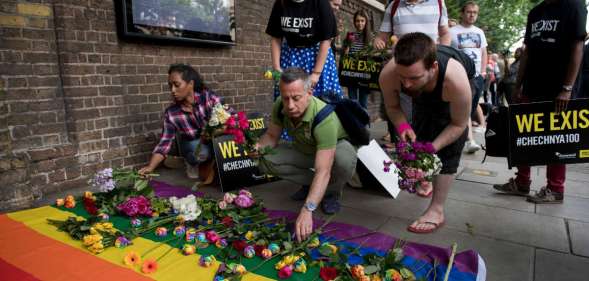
{"x": 451, "y": 261}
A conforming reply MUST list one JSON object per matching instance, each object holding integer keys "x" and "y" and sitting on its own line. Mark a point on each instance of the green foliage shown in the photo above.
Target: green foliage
{"x": 503, "y": 21}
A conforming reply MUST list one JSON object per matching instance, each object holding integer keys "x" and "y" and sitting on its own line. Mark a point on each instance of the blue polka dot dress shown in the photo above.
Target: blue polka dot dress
{"x": 305, "y": 59}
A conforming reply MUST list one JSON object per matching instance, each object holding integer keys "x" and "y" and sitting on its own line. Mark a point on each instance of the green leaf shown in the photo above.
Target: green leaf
{"x": 325, "y": 250}
{"x": 368, "y": 270}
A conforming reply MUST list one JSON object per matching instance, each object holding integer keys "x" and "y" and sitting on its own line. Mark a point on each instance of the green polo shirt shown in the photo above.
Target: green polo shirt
{"x": 325, "y": 135}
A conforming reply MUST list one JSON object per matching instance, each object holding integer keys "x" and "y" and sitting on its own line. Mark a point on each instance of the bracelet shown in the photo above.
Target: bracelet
{"x": 317, "y": 72}
{"x": 403, "y": 127}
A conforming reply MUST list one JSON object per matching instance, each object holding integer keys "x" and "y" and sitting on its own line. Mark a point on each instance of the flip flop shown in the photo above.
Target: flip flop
{"x": 425, "y": 231}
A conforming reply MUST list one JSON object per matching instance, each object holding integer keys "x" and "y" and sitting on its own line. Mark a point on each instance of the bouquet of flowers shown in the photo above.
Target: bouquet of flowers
{"x": 417, "y": 164}
{"x": 216, "y": 124}
{"x": 116, "y": 187}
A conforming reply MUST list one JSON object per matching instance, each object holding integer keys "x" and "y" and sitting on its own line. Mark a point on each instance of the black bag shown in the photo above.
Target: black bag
{"x": 497, "y": 133}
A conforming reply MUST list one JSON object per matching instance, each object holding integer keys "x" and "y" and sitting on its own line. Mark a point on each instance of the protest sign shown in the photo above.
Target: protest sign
{"x": 538, "y": 135}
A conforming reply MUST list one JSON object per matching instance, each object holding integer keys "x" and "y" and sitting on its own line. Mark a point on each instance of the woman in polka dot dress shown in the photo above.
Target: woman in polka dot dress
{"x": 301, "y": 33}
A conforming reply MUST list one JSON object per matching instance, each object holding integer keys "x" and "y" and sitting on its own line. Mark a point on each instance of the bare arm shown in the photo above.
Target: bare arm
{"x": 571, "y": 74}
{"x": 444, "y": 34}
{"x": 323, "y": 162}
{"x": 321, "y": 55}
{"x": 155, "y": 160}
{"x": 380, "y": 40}
{"x": 484, "y": 61}
{"x": 275, "y": 44}
{"x": 270, "y": 137}
{"x": 458, "y": 94}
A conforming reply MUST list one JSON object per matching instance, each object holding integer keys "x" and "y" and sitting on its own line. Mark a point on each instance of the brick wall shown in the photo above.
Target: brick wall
{"x": 74, "y": 98}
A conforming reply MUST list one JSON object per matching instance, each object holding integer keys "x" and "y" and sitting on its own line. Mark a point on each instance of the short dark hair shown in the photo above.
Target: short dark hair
{"x": 413, "y": 47}
{"x": 468, "y": 3}
{"x": 293, "y": 74}
{"x": 188, "y": 74}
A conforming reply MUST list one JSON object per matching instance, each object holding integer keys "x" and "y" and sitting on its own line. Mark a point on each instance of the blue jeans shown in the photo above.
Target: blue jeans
{"x": 360, "y": 95}
{"x": 188, "y": 151}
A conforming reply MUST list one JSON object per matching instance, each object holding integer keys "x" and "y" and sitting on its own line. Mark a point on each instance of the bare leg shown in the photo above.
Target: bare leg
{"x": 424, "y": 190}
{"x": 435, "y": 212}
{"x": 481, "y": 116}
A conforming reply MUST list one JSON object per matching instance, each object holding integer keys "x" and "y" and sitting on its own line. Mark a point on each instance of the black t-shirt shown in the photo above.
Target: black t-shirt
{"x": 302, "y": 24}
{"x": 551, "y": 30}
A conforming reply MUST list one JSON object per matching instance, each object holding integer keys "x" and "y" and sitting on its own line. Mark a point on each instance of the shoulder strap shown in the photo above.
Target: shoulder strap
{"x": 321, "y": 115}
{"x": 395, "y": 6}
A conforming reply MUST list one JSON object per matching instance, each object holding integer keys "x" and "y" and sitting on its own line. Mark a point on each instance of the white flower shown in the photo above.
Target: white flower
{"x": 187, "y": 207}
{"x": 214, "y": 121}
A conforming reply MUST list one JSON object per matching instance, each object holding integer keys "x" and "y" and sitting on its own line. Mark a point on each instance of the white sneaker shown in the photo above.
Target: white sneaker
{"x": 191, "y": 171}
{"x": 472, "y": 147}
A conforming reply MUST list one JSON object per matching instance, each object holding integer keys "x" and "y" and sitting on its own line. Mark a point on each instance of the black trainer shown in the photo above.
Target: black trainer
{"x": 301, "y": 194}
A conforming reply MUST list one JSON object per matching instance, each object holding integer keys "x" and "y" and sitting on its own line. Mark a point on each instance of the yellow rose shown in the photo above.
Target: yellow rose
{"x": 268, "y": 74}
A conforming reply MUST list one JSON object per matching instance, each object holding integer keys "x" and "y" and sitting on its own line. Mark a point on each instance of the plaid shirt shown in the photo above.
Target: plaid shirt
{"x": 188, "y": 124}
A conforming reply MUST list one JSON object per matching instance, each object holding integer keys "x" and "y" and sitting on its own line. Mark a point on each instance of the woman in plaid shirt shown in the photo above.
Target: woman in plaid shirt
{"x": 185, "y": 119}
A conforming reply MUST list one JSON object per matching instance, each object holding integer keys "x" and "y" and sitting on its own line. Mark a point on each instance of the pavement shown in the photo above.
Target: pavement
{"x": 518, "y": 240}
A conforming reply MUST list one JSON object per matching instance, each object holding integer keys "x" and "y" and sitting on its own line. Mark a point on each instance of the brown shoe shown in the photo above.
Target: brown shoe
{"x": 511, "y": 187}
{"x": 546, "y": 196}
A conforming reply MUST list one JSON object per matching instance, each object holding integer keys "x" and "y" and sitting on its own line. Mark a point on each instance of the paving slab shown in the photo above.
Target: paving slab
{"x": 484, "y": 194}
{"x": 505, "y": 261}
{"x": 576, "y": 208}
{"x": 490, "y": 173}
{"x": 509, "y": 225}
{"x": 497, "y": 222}
{"x": 579, "y": 232}
{"x": 551, "y": 266}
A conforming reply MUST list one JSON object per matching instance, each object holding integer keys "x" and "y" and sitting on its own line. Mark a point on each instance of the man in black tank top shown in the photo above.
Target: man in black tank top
{"x": 439, "y": 86}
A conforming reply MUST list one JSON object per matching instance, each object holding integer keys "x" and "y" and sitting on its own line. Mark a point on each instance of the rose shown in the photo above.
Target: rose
{"x": 246, "y": 193}
{"x": 222, "y": 205}
{"x": 239, "y": 245}
{"x": 227, "y": 221}
{"x": 229, "y": 197}
{"x": 212, "y": 236}
{"x": 285, "y": 272}
{"x": 230, "y": 122}
{"x": 243, "y": 201}
{"x": 243, "y": 122}
{"x": 328, "y": 273}
{"x": 239, "y": 136}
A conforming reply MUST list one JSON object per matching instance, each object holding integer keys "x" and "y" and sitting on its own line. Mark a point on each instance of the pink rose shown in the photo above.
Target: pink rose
{"x": 222, "y": 205}
{"x": 243, "y": 122}
{"x": 230, "y": 122}
{"x": 239, "y": 136}
{"x": 229, "y": 197}
{"x": 246, "y": 193}
{"x": 285, "y": 272}
{"x": 212, "y": 236}
{"x": 243, "y": 201}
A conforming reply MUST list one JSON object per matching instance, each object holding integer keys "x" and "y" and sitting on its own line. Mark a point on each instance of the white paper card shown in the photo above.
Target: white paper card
{"x": 372, "y": 156}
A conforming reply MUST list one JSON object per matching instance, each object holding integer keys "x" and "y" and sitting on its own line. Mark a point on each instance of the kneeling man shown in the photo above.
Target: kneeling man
{"x": 439, "y": 87}
{"x": 320, "y": 159}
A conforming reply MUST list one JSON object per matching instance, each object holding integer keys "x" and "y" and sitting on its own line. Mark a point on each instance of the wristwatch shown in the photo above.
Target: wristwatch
{"x": 310, "y": 206}
{"x": 567, "y": 88}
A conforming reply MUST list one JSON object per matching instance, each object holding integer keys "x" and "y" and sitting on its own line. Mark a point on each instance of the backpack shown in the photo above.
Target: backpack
{"x": 461, "y": 57}
{"x": 396, "y": 3}
{"x": 497, "y": 133}
{"x": 353, "y": 117}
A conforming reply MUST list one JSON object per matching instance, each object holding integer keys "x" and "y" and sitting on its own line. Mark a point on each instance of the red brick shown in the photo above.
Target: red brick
{"x": 114, "y": 153}
{"x": 13, "y": 176}
{"x": 73, "y": 172}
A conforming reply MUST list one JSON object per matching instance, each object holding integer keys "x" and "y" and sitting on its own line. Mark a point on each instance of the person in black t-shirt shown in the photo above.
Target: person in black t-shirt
{"x": 301, "y": 33}
{"x": 548, "y": 67}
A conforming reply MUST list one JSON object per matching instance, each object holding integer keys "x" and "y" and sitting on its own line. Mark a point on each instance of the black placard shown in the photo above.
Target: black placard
{"x": 538, "y": 135}
{"x": 234, "y": 167}
{"x": 361, "y": 72}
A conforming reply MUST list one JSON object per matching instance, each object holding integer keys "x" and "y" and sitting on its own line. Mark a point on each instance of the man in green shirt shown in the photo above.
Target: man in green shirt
{"x": 321, "y": 158}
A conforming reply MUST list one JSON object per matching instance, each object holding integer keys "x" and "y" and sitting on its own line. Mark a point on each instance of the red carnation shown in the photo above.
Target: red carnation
{"x": 90, "y": 206}
{"x": 239, "y": 245}
{"x": 227, "y": 221}
{"x": 328, "y": 273}
{"x": 259, "y": 249}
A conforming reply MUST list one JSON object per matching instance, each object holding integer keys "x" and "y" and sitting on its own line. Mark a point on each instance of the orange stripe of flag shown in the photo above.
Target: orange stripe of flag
{"x": 48, "y": 259}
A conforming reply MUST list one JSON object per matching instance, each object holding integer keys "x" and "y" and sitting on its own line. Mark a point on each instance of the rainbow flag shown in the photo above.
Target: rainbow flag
{"x": 32, "y": 249}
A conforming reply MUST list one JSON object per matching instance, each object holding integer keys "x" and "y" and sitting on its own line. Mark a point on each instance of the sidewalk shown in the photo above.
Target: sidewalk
{"x": 518, "y": 240}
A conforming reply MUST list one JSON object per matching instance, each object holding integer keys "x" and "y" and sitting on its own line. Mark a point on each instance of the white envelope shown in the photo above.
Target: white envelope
{"x": 372, "y": 156}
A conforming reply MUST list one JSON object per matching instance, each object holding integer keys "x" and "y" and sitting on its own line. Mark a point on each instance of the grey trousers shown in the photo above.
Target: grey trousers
{"x": 294, "y": 166}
